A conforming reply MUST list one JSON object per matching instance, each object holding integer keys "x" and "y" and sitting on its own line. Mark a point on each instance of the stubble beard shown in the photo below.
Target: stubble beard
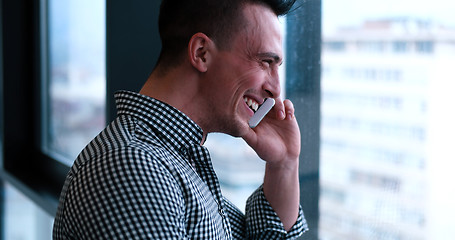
{"x": 231, "y": 124}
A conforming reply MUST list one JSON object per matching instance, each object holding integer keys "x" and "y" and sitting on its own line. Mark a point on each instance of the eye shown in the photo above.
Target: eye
{"x": 267, "y": 62}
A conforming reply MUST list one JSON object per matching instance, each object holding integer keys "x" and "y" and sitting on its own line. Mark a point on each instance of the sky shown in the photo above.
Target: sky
{"x": 353, "y": 12}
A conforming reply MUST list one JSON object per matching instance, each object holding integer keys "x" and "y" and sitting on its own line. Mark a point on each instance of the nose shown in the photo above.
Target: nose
{"x": 272, "y": 86}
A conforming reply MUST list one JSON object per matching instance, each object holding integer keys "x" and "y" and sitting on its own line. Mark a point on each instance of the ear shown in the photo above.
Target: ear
{"x": 200, "y": 50}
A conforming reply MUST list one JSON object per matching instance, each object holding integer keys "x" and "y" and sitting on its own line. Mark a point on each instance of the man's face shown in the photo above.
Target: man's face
{"x": 243, "y": 76}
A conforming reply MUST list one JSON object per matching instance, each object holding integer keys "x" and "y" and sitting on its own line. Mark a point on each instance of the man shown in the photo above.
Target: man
{"x": 147, "y": 175}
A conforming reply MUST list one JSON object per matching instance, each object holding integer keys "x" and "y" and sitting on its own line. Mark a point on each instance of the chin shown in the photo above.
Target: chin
{"x": 240, "y": 131}
{"x": 235, "y": 128}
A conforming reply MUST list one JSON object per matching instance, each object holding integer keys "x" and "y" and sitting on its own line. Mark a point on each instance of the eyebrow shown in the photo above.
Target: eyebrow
{"x": 277, "y": 59}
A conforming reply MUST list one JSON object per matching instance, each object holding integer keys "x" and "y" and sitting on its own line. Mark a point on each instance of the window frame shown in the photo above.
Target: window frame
{"x": 35, "y": 172}
{"x": 23, "y": 165}
{"x": 303, "y": 88}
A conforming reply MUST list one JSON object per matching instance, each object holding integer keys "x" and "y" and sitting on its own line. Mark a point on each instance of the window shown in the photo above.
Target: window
{"x": 400, "y": 46}
{"x": 76, "y": 86}
{"x": 424, "y": 46}
{"x": 335, "y": 46}
{"x": 41, "y": 52}
{"x": 22, "y": 218}
{"x": 385, "y": 140}
{"x": 52, "y": 92}
{"x": 240, "y": 171}
{"x": 370, "y": 46}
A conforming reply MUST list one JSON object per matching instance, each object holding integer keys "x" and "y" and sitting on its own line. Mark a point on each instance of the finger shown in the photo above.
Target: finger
{"x": 279, "y": 109}
{"x": 289, "y": 109}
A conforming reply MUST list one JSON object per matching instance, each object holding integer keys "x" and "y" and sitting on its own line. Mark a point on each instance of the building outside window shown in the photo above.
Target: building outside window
{"x": 386, "y": 128}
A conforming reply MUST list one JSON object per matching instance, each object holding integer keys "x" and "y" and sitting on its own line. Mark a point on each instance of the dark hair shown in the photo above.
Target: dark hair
{"x": 179, "y": 20}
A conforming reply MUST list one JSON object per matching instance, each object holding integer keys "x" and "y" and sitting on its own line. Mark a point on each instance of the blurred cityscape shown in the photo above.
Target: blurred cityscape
{"x": 387, "y": 130}
{"x": 238, "y": 167}
{"x": 77, "y": 76}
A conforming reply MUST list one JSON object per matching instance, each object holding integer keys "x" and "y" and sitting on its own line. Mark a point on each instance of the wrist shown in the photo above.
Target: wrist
{"x": 282, "y": 190}
{"x": 283, "y": 165}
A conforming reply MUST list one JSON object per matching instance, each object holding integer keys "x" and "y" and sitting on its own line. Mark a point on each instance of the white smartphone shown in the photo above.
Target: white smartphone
{"x": 261, "y": 112}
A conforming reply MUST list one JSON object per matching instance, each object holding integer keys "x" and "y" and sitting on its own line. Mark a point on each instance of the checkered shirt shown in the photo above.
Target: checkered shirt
{"x": 146, "y": 176}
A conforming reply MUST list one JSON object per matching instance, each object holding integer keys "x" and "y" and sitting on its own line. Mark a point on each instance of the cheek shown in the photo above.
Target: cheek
{"x": 232, "y": 82}
{"x": 251, "y": 78}
{"x": 237, "y": 82}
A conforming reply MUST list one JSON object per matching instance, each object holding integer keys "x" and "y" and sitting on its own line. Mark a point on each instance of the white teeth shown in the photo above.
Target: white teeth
{"x": 255, "y": 107}
{"x": 251, "y": 103}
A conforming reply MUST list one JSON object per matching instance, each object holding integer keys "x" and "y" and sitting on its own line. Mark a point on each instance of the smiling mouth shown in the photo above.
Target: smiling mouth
{"x": 251, "y": 103}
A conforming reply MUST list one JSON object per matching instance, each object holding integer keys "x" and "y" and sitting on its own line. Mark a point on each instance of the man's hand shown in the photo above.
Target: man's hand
{"x": 276, "y": 140}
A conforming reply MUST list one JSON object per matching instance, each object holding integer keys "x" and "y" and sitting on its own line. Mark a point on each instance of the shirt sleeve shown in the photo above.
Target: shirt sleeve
{"x": 262, "y": 222}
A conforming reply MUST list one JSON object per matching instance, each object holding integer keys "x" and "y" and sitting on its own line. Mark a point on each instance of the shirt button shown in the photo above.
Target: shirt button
{"x": 221, "y": 211}
{"x": 183, "y": 151}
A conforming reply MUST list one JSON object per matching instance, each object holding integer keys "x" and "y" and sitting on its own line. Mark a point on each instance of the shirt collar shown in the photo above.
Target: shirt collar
{"x": 174, "y": 125}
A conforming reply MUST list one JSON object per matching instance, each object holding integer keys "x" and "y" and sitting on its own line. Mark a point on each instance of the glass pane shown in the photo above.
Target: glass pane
{"x": 239, "y": 170}
{"x": 387, "y": 129}
{"x": 77, "y": 79}
{"x": 23, "y": 219}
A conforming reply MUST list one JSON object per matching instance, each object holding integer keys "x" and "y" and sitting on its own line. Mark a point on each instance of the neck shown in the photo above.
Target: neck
{"x": 179, "y": 88}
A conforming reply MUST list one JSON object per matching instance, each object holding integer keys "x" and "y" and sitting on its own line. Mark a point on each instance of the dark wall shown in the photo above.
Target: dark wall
{"x": 132, "y": 46}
